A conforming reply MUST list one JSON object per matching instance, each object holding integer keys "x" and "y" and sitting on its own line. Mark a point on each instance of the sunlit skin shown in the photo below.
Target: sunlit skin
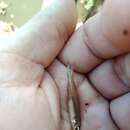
{"x": 33, "y": 60}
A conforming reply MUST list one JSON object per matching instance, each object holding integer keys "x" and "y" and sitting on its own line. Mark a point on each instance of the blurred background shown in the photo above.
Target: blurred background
{"x": 18, "y": 12}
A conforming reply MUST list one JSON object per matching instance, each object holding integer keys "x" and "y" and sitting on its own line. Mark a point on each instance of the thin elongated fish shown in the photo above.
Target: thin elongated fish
{"x": 73, "y": 102}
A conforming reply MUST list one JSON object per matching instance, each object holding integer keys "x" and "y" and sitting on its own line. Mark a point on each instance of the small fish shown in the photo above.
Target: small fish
{"x": 73, "y": 102}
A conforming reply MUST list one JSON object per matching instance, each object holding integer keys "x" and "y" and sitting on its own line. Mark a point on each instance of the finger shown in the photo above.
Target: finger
{"x": 45, "y": 34}
{"x": 115, "y": 23}
{"x": 101, "y": 37}
{"x": 51, "y": 92}
{"x": 112, "y": 78}
{"x": 97, "y": 116}
{"x": 120, "y": 111}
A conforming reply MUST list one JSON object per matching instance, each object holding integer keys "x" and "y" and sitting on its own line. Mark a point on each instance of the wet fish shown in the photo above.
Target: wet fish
{"x": 73, "y": 101}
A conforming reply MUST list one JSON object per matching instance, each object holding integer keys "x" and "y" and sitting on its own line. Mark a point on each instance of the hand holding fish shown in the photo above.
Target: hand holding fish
{"x": 39, "y": 92}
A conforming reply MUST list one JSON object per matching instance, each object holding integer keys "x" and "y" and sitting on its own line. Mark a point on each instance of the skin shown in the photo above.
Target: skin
{"x": 33, "y": 82}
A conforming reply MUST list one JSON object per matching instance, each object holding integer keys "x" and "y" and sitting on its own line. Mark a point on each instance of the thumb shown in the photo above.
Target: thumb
{"x": 45, "y": 34}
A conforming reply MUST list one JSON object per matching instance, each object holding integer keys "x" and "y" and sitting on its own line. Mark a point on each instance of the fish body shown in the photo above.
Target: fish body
{"x": 73, "y": 101}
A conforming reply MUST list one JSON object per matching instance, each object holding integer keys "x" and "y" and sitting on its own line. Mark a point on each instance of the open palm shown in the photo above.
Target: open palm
{"x": 33, "y": 79}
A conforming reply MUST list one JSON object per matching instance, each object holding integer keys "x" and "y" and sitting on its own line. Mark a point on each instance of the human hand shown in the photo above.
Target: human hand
{"x": 33, "y": 82}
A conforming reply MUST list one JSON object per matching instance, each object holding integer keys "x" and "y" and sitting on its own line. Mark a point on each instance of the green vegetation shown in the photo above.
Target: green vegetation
{"x": 87, "y": 8}
{"x": 19, "y": 11}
